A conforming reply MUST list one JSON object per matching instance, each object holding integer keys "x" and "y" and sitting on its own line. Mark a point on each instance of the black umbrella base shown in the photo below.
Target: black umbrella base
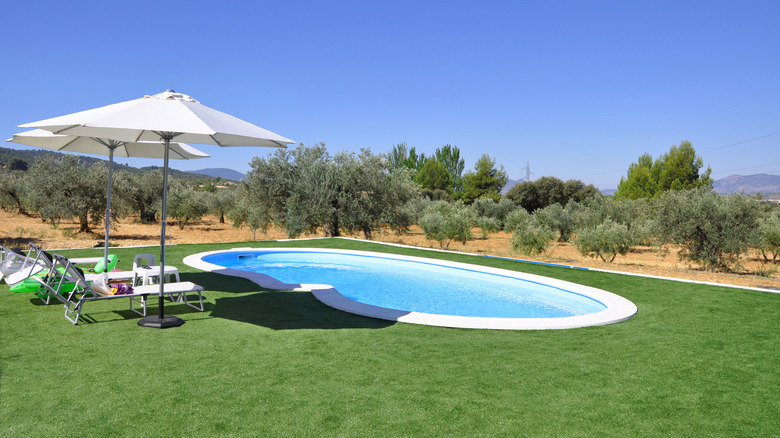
{"x": 167, "y": 321}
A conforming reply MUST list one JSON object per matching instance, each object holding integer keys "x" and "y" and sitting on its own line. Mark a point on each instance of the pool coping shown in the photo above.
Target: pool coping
{"x": 618, "y": 308}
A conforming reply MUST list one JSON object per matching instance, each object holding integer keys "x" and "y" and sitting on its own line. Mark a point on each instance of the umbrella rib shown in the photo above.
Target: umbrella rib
{"x": 174, "y": 151}
{"x": 66, "y": 128}
{"x": 67, "y": 144}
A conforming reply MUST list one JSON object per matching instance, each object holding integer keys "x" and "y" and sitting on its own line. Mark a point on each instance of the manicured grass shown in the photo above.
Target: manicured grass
{"x": 695, "y": 361}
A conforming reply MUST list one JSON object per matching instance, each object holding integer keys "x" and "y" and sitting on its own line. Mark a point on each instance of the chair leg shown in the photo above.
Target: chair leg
{"x": 200, "y": 301}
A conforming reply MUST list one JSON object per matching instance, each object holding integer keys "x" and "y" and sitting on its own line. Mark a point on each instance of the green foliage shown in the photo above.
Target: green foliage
{"x": 185, "y": 204}
{"x": 305, "y": 189}
{"x": 247, "y": 211}
{"x": 768, "y": 236}
{"x": 12, "y": 191}
{"x": 637, "y": 215}
{"x": 444, "y": 222}
{"x": 484, "y": 181}
{"x": 435, "y": 195}
{"x": 403, "y": 156}
{"x": 140, "y": 193}
{"x": 66, "y": 188}
{"x": 366, "y": 190}
{"x": 298, "y": 187}
{"x": 18, "y": 164}
{"x": 434, "y": 176}
{"x": 606, "y": 240}
{"x": 557, "y": 219}
{"x": 449, "y": 157}
{"x": 549, "y": 190}
{"x": 402, "y": 200}
{"x": 488, "y": 207}
{"x": 713, "y": 230}
{"x": 516, "y": 219}
{"x": 677, "y": 169}
{"x": 488, "y": 225}
{"x": 221, "y": 201}
{"x": 532, "y": 238}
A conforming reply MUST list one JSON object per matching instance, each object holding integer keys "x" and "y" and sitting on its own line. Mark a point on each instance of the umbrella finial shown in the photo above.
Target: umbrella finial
{"x": 169, "y": 94}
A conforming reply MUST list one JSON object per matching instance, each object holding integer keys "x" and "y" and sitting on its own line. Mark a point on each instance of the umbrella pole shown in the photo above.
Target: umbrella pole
{"x": 108, "y": 207}
{"x": 160, "y": 320}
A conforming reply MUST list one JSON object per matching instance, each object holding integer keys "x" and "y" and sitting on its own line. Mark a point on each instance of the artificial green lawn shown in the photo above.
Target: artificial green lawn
{"x": 695, "y": 361}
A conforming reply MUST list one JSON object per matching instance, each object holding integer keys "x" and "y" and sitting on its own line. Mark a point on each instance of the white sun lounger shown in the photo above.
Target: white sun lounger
{"x": 83, "y": 292}
{"x": 11, "y": 261}
{"x": 31, "y": 265}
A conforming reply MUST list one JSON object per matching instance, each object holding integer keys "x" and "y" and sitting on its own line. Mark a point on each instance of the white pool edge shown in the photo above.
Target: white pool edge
{"x": 618, "y": 308}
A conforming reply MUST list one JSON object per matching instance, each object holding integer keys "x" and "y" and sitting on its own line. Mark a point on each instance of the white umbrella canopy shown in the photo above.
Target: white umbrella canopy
{"x": 164, "y": 116}
{"x": 100, "y": 146}
{"x": 146, "y": 118}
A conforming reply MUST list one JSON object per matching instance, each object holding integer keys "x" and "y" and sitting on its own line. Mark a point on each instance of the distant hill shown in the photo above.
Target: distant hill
{"x": 221, "y": 172}
{"x": 759, "y": 183}
{"x": 608, "y": 192}
{"x": 509, "y": 184}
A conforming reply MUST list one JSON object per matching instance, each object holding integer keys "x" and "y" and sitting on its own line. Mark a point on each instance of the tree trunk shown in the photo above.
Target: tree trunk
{"x": 332, "y": 229}
{"x": 146, "y": 216}
{"x": 84, "y": 223}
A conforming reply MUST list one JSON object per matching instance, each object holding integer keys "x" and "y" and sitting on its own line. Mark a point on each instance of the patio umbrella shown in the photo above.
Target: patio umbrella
{"x": 101, "y": 146}
{"x": 162, "y": 117}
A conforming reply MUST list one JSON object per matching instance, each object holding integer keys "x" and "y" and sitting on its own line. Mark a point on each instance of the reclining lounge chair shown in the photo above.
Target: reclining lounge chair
{"x": 83, "y": 291}
{"x": 11, "y": 261}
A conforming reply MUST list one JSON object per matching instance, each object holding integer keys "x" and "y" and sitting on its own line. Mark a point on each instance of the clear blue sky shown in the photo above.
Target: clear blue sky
{"x": 578, "y": 89}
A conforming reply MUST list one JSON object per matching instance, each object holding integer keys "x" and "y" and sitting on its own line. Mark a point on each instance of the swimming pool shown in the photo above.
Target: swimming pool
{"x": 422, "y": 290}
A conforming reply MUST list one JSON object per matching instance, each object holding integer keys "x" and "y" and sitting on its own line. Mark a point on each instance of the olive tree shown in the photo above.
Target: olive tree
{"x": 66, "y": 187}
{"x": 606, "y": 240}
{"x": 221, "y": 201}
{"x": 306, "y": 188}
{"x": 140, "y": 192}
{"x": 185, "y": 204}
{"x": 247, "y": 211}
{"x": 557, "y": 219}
{"x": 713, "y": 230}
{"x": 12, "y": 191}
{"x": 768, "y": 236}
{"x": 445, "y": 221}
{"x": 532, "y": 238}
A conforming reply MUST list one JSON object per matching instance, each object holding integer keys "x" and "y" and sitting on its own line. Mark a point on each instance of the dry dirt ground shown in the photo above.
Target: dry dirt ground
{"x": 17, "y": 230}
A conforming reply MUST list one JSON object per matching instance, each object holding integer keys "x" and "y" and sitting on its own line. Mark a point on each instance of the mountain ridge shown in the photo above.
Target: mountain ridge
{"x": 221, "y": 172}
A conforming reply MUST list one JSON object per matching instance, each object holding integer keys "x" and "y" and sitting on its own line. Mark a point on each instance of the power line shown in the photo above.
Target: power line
{"x": 740, "y": 142}
{"x": 745, "y": 168}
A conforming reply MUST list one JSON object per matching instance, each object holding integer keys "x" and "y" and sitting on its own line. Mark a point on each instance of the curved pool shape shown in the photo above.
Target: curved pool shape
{"x": 421, "y": 290}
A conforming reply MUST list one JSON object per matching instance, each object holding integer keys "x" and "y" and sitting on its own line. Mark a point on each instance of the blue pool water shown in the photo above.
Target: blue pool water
{"x": 413, "y": 286}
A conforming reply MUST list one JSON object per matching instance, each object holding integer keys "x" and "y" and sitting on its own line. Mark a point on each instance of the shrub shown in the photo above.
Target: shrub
{"x": 516, "y": 219}
{"x": 605, "y": 240}
{"x": 532, "y": 238}
{"x": 444, "y": 222}
{"x": 768, "y": 236}
{"x": 488, "y": 225}
{"x": 557, "y": 219}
